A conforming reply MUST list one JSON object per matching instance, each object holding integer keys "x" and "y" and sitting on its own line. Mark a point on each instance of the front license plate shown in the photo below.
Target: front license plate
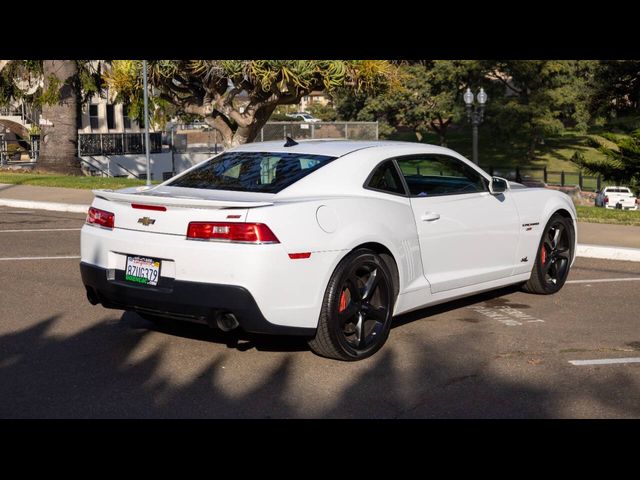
{"x": 142, "y": 270}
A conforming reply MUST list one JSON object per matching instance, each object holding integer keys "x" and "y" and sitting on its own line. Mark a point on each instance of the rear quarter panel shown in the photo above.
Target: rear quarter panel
{"x": 331, "y": 227}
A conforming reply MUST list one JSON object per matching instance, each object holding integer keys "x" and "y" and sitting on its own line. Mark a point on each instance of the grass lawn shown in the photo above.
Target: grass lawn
{"x": 49, "y": 180}
{"x": 603, "y": 215}
{"x": 555, "y": 153}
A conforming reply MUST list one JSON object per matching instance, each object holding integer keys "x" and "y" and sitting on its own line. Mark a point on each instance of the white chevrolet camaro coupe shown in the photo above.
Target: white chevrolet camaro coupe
{"x": 326, "y": 238}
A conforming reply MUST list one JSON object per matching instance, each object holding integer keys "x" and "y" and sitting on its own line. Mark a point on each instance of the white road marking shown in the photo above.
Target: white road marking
{"x": 38, "y": 258}
{"x": 605, "y": 280}
{"x": 605, "y": 361}
{"x": 505, "y": 314}
{"x": 43, "y": 230}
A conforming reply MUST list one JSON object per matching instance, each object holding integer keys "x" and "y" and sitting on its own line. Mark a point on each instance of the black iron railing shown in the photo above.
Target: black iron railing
{"x": 117, "y": 143}
{"x": 542, "y": 175}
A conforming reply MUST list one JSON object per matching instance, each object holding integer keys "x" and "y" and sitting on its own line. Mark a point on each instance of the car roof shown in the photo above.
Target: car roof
{"x": 330, "y": 147}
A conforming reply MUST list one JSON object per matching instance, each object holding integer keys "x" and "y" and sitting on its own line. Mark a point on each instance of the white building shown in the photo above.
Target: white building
{"x": 102, "y": 116}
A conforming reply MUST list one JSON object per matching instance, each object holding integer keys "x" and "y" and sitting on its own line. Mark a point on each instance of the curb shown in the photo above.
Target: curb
{"x": 52, "y": 206}
{"x": 608, "y": 253}
{"x": 604, "y": 252}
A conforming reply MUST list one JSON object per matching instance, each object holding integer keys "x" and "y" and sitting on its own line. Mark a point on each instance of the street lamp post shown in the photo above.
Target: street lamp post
{"x": 475, "y": 115}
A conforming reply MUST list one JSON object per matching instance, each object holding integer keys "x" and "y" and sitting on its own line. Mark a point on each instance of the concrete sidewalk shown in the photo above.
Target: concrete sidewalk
{"x": 623, "y": 238}
{"x": 45, "y": 194}
{"x": 45, "y": 198}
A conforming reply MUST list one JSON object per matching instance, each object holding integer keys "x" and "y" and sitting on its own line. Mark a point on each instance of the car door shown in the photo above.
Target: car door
{"x": 467, "y": 235}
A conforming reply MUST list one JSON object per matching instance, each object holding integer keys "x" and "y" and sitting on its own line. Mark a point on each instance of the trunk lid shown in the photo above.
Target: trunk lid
{"x": 169, "y": 210}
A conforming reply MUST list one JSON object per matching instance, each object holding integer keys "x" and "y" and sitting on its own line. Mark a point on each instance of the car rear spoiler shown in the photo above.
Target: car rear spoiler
{"x": 174, "y": 201}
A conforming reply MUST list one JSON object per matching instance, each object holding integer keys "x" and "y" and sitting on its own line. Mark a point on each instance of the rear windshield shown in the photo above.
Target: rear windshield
{"x": 266, "y": 172}
{"x": 617, "y": 190}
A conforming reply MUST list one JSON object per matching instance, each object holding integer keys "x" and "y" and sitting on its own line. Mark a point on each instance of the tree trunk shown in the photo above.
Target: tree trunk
{"x": 59, "y": 145}
{"x": 531, "y": 151}
{"x": 248, "y": 134}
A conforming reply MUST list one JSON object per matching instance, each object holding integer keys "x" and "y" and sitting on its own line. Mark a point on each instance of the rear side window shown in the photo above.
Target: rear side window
{"x": 386, "y": 179}
{"x": 266, "y": 172}
{"x": 431, "y": 175}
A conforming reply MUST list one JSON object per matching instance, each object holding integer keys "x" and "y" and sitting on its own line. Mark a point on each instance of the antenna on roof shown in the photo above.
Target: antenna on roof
{"x": 290, "y": 142}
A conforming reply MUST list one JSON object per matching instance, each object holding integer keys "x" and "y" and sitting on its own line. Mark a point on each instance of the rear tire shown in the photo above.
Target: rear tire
{"x": 553, "y": 260}
{"x": 355, "y": 318}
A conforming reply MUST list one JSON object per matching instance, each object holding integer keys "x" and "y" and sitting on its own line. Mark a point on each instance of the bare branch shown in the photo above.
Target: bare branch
{"x": 505, "y": 80}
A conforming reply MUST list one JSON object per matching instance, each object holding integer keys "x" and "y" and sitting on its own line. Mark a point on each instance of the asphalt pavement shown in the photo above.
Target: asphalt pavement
{"x": 504, "y": 354}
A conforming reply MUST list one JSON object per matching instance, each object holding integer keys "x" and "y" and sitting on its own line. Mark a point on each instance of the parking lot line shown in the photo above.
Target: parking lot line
{"x": 39, "y": 258}
{"x": 43, "y": 230}
{"x": 605, "y": 361}
{"x": 604, "y": 280}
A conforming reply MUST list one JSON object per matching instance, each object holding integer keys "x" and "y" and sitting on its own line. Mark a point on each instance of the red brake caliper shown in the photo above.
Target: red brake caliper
{"x": 543, "y": 255}
{"x": 343, "y": 301}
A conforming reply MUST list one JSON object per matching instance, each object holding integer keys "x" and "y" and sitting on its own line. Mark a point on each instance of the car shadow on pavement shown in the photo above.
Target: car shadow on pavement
{"x": 113, "y": 369}
{"x": 235, "y": 339}
{"x": 493, "y": 296}
{"x": 243, "y": 341}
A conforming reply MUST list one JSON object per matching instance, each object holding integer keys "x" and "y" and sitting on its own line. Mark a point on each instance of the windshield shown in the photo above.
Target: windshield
{"x": 266, "y": 172}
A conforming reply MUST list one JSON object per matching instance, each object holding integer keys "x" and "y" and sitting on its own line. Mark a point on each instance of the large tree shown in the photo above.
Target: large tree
{"x": 616, "y": 88}
{"x": 237, "y": 97}
{"x": 58, "y": 87}
{"x": 538, "y": 98}
{"x": 623, "y": 158}
{"x": 428, "y": 99}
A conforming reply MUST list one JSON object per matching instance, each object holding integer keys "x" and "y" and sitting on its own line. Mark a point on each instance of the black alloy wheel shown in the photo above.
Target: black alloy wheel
{"x": 555, "y": 253}
{"x": 357, "y": 308}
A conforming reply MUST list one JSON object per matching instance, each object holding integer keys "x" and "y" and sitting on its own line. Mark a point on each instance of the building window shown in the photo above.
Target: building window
{"x": 93, "y": 117}
{"x": 111, "y": 117}
{"x": 126, "y": 119}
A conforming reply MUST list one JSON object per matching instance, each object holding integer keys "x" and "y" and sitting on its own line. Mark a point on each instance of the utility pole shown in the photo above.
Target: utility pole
{"x": 146, "y": 122}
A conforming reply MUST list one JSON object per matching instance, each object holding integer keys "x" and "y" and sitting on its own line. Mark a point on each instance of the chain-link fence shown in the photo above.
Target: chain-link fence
{"x": 194, "y": 140}
{"x": 188, "y": 139}
{"x": 311, "y": 130}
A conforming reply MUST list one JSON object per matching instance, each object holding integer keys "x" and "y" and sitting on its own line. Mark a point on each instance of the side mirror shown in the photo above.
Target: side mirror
{"x": 498, "y": 185}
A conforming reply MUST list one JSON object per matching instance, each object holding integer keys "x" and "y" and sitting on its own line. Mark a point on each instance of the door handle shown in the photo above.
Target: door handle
{"x": 430, "y": 216}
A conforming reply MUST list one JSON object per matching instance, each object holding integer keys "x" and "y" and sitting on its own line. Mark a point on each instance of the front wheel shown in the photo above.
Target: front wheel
{"x": 355, "y": 318}
{"x": 553, "y": 260}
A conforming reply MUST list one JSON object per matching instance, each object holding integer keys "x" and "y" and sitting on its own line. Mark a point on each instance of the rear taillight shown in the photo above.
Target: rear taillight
{"x": 606, "y": 199}
{"x": 102, "y": 218}
{"x": 231, "y": 232}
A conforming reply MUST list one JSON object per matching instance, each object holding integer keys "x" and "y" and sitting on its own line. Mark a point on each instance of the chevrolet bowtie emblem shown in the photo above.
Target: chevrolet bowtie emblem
{"x": 146, "y": 221}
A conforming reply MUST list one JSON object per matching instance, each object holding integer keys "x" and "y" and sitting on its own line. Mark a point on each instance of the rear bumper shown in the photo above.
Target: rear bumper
{"x": 622, "y": 207}
{"x": 182, "y": 300}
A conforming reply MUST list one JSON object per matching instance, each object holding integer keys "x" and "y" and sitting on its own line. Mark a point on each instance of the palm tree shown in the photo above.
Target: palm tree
{"x": 59, "y": 119}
